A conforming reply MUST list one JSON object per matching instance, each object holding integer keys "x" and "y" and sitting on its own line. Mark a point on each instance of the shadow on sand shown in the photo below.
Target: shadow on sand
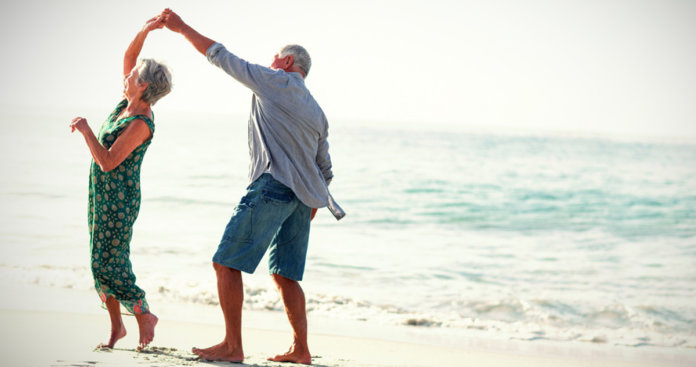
{"x": 183, "y": 358}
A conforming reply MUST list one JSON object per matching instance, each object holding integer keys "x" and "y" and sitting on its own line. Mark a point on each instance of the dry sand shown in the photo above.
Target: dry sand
{"x": 54, "y": 332}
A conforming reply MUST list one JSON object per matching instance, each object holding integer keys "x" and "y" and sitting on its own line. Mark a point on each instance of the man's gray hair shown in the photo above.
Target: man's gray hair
{"x": 301, "y": 56}
{"x": 157, "y": 76}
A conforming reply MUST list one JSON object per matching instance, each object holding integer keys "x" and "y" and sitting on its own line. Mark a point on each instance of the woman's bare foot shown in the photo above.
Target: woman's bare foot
{"x": 296, "y": 354}
{"x": 116, "y": 335}
{"x": 146, "y": 325}
{"x": 221, "y": 352}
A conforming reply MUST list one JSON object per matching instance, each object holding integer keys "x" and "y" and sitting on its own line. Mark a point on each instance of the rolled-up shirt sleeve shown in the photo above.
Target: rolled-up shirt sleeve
{"x": 243, "y": 71}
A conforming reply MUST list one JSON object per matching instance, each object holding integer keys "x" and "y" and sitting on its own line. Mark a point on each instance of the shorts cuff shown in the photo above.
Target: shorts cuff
{"x": 294, "y": 277}
{"x": 245, "y": 269}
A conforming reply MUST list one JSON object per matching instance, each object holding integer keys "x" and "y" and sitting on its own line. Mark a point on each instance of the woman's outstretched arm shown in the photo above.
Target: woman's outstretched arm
{"x": 131, "y": 56}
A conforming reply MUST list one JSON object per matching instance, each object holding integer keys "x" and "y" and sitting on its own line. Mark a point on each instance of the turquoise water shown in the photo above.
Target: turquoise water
{"x": 524, "y": 236}
{"x": 528, "y": 184}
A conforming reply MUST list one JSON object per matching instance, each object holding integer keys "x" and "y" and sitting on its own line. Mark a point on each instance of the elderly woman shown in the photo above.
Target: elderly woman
{"x": 114, "y": 186}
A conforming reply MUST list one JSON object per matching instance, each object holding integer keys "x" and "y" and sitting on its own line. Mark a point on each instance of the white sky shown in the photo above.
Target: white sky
{"x": 623, "y": 67}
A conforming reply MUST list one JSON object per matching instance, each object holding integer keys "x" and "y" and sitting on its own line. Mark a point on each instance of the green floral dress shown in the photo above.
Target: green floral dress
{"x": 114, "y": 202}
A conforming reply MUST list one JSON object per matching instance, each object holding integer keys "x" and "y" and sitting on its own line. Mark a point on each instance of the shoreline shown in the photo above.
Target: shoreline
{"x": 73, "y": 336}
{"x": 44, "y": 326}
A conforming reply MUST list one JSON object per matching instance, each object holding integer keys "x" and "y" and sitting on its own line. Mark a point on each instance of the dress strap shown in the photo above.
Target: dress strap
{"x": 117, "y": 111}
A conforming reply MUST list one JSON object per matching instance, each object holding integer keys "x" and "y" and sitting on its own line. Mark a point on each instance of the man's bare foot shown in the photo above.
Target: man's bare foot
{"x": 146, "y": 325}
{"x": 116, "y": 335}
{"x": 198, "y": 351}
{"x": 295, "y": 354}
{"x": 221, "y": 352}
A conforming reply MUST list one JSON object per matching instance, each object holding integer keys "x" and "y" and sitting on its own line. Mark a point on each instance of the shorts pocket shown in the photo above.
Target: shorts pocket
{"x": 246, "y": 202}
{"x": 281, "y": 197}
{"x": 239, "y": 228}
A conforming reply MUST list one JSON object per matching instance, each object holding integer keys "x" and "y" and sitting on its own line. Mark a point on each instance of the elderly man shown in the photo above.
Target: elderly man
{"x": 289, "y": 174}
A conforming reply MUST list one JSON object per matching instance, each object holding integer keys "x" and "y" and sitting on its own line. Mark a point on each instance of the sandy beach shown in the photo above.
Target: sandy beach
{"x": 44, "y": 326}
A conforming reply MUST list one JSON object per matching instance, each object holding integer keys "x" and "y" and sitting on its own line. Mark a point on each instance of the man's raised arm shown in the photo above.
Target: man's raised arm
{"x": 174, "y": 23}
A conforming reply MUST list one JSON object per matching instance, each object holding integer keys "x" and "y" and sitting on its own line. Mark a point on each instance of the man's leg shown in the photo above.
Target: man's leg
{"x": 231, "y": 294}
{"x": 238, "y": 249}
{"x": 294, "y": 301}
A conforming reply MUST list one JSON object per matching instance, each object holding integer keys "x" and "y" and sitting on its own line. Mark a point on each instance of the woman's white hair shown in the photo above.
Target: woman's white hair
{"x": 157, "y": 76}
{"x": 300, "y": 55}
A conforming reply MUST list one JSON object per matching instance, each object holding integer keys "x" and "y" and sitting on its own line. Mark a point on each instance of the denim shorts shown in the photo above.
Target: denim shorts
{"x": 269, "y": 215}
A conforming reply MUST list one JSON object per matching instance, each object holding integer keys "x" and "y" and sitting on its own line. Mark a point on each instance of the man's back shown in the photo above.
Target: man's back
{"x": 287, "y": 128}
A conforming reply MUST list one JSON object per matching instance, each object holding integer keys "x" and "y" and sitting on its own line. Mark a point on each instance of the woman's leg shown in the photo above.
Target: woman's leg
{"x": 146, "y": 324}
{"x": 118, "y": 330}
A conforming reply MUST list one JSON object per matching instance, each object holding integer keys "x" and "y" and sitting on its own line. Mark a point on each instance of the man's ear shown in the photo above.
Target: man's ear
{"x": 289, "y": 61}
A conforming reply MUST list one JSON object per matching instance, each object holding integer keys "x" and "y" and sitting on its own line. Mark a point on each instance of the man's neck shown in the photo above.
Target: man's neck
{"x": 294, "y": 69}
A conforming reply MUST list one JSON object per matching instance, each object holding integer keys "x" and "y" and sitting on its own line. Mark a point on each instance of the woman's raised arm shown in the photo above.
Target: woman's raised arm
{"x": 131, "y": 56}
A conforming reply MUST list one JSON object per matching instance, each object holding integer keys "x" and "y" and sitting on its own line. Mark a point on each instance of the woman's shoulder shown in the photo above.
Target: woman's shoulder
{"x": 148, "y": 120}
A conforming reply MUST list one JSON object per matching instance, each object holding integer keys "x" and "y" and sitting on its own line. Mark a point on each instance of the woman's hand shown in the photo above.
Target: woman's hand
{"x": 79, "y": 123}
{"x": 156, "y": 22}
{"x": 130, "y": 59}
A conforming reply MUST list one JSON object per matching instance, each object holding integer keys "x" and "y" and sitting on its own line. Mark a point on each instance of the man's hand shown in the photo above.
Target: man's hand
{"x": 172, "y": 20}
{"x": 200, "y": 42}
{"x": 311, "y": 215}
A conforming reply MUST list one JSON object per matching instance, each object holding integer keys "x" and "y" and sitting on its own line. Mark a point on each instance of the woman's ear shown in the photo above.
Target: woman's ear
{"x": 143, "y": 86}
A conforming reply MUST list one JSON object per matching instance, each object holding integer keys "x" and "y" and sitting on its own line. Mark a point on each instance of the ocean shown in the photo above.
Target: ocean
{"x": 524, "y": 236}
